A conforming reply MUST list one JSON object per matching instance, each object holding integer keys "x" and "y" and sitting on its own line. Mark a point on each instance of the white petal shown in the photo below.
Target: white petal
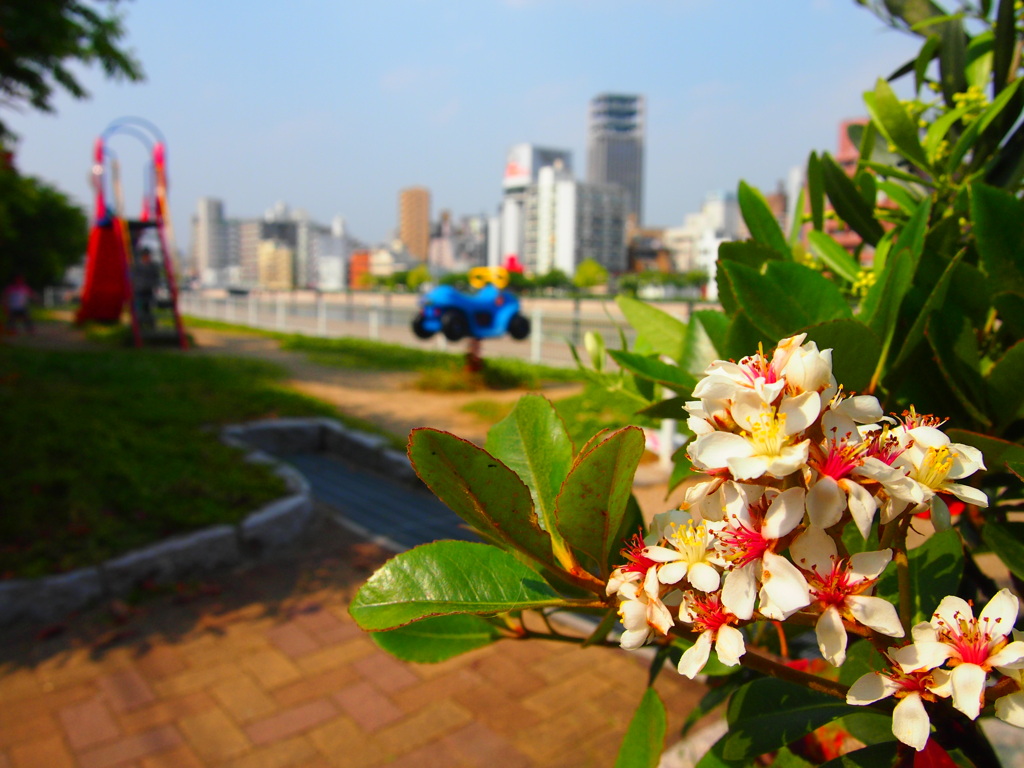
{"x": 968, "y": 685}
{"x": 696, "y": 656}
{"x": 831, "y": 636}
{"x": 661, "y": 554}
{"x": 714, "y": 450}
{"x": 999, "y": 615}
{"x": 862, "y": 506}
{"x": 864, "y": 409}
{"x": 876, "y": 613}
{"x": 729, "y": 645}
{"x": 784, "y": 513}
{"x": 633, "y": 638}
{"x": 747, "y": 468}
{"x": 870, "y": 688}
{"x": 784, "y": 585}
{"x": 813, "y": 550}
{"x": 1009, "y": 657}
{"x": 704, "y": 577}
{"x": 825, "y": 503}
{"x": 966, "y": 461}
{"x": 739, "y": 590}
{"x": 910, "y": 722}
{"x": 921, "y": 655}
{"x": 951, "y": 610}
{"x": 967, "y": 494}
{"x": 1011, "y": 708}
{"x": 924, "y": 633}
{"x": 800, "y": 411}
{"x": 790, "y": 459}
{"x": 659, "y": 616}
{"x": 672, "y": 573}
{"x": 869, "y": 565}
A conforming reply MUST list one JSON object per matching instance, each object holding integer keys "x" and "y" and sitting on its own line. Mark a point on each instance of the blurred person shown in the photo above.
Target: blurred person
{"x": 17, "y": 300}
{"x": 145, "y": 280}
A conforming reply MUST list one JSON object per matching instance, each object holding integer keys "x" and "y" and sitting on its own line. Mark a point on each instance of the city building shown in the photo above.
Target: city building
{"x": 615, "y": 147}
{"x": 694, "y": 245}
{"x": 522, "y": 166}
{"x": 568, "y": 221}
{"x": 414, "y": 221}
{"x": 276, "y": 259}
{"x": 209, "y": 240}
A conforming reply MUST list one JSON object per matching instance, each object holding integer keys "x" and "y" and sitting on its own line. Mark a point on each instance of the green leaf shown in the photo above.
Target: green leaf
{"x": 1004, "y": 384}
{"x": 1004, "y": 45}
{"x": 848, "y": 203}
{"x": 968, "y": 139}
{"x": 955, "y": 348}
{"x": 834, "y": 256}
{"x": 437, "y": 639}
{"x": 593, "y": 342}
{"x": 481, "y": 490}
{"x": 1010, "y": 307}
{"x": 979, "y": 59}
{"x": 760, "y": 220}
{"x": 937, "y": 131}
{"x": 895, "y": 124}
{"x": 924, "y": 58}
{"x": 861, "y": 658}
{"x": 532, "y": 441}
{"x": 786, "y": 298}
{"x": 653, "y": 368}
{"x": 881, "y": 307}
{"x": 856, "y": 351}
{"x": 593, "y": 499}
{"x": 747, "y": 252}
{"x": 1007, "y": 541}
{"x": 999, "y": 232}
{"x": 1017, "y": 468}
{"x": 935, "y": 570}
{"x": 768, "y": 713}
{"x": 665, "y": 334}
{"x": 645, "y": 738}
{"x": 445, "y": 578}
{"x": 716, "y": 325}
{"x": 672, "y": 408}
{"x": 816, "y": 191}
{"x": 796, "y": 226}
{"x": 900, "y": 195}
{"x": 935, "y": 300}
{"x": 744, "y": 337}
{"x": 952, "y": 58}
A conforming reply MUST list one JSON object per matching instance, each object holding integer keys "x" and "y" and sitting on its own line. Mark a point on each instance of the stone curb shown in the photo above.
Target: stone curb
{"x": 51, "y": 598}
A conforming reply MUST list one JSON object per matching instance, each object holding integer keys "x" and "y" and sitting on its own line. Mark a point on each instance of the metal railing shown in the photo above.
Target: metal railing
{"x": 388, "y": 318}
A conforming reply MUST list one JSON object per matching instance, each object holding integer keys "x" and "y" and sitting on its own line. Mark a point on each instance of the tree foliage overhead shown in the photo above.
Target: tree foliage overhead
{"x": 40, "y": 39}
{"x": 42, "y": 232}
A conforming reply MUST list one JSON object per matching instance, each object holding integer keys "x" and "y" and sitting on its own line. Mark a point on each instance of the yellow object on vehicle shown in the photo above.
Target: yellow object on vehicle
{"x": 481, "y": 276}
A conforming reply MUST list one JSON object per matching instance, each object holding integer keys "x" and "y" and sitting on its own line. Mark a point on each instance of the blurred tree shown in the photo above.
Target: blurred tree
{"x": 39, "y": 39}
{"x": 417, "y": 276}
{"x": 590, "y": 273}
{"x": 42, "y": 232}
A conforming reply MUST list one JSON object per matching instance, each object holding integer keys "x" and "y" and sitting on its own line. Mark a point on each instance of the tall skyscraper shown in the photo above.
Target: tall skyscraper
{"x": 615, "y": 146}
{"x": 209, "y": 239}
{"x": 414, "y": 221}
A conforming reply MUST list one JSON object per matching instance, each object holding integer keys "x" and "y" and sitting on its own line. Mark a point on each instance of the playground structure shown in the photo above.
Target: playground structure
{"x": 112, "y": 261}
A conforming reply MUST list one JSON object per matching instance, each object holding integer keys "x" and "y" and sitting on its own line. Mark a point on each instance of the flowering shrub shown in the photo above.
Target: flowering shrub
{"x": 824, "y": 570}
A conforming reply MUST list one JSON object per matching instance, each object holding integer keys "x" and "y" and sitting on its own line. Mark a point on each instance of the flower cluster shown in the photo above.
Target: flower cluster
{"x": 787, "y": 461}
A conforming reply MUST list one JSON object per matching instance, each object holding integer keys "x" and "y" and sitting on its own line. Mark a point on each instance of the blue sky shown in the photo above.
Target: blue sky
{"x": 334, "y": 105}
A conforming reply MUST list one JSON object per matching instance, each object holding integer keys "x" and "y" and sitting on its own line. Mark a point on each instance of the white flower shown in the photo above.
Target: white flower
{"x": 839, "y": 586}
{"x": 705, "y": 614}
{"x": 910, "y": 723}
{"x": 767, "y": 443}
{"x": 641, "y": 616}
{"x": 638, "y": 569}
{"x": 971, "y": 646}
{"x": 837, "y": 461}
{"x": 1011, "y": 707}
{"x": 934, "y": 463}
{"x": 804, "y": 367}
{"x": 749, "y": 541}
{"x": 690, "y": 554}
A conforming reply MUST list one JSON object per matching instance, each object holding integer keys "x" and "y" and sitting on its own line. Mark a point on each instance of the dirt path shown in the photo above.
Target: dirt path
{"x": 386, "y": 399}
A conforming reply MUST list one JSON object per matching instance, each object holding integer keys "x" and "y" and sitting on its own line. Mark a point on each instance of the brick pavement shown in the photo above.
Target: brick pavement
{"x": 261, "y": 667}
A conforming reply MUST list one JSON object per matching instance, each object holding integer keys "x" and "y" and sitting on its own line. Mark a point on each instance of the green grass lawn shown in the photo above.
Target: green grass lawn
{"x": 110, "y": 449}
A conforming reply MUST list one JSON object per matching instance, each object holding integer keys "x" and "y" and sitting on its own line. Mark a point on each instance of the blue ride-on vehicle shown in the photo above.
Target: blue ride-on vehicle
{"x": 486, "y": 313}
